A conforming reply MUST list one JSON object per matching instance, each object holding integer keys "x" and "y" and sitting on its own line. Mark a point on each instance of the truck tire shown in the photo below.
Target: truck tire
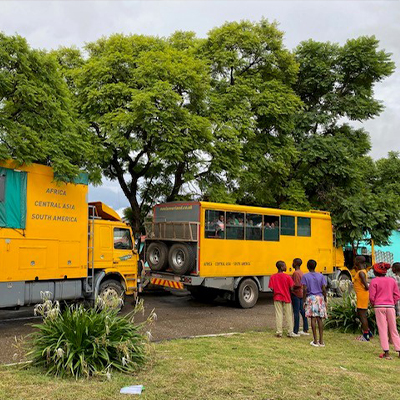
{"x": 247, "y": 293}
{"x": 203, "y": 294}
{"x": 181, "y": 258}
{"x": 112, "y": 293}
{"x": 157, "y": 256}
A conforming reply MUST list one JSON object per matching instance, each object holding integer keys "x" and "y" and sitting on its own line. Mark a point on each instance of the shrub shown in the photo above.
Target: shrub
{"x": 84, "y": 342}
{"x": 342, "y": 315}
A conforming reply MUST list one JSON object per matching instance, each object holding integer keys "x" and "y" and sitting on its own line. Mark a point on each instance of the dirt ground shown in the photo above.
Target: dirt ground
{"x": 178, "y": 316}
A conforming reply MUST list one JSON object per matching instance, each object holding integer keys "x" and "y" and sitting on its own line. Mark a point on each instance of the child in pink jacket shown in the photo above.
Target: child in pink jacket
{"x": 383, "y": 295}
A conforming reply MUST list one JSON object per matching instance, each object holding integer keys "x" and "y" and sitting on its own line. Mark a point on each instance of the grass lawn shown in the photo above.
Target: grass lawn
{"x": 254, "y": 365}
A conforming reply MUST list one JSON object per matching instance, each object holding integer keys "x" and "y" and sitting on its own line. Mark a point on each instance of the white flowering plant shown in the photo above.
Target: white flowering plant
{"x": 82, "y": 342}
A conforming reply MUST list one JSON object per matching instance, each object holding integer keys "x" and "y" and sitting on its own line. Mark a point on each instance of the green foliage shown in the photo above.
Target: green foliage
{"x": 38, "y": 122}
{"x": 236, "y": 117}
{"x": 342, "y": 315}
{"x": 179, "y": 117}
{"x": 337, "y": 82}
{"x": 82, "y": 342}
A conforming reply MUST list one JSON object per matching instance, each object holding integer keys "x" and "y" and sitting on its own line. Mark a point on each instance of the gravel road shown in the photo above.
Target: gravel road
{"x": 178, "y": 316}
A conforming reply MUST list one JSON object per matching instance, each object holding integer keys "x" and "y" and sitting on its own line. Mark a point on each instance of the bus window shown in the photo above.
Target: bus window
{"x": 271, "y": 228}
{"x": 234, "y": 225}
{"x": 303, "y": 226}
{"x": 253, "y": 227}
{"x": 215, "y": 224}
{"x": 288, "y": 225}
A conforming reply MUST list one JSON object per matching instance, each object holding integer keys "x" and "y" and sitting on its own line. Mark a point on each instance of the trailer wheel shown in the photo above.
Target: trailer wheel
{"x": 181, "y": 258}
{"x": 247, "y": 293}
{"x": 157, "y": 256}
{"x": 112, "y": 293}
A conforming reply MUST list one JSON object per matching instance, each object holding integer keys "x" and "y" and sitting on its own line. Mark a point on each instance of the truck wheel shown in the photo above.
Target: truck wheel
{"x": 181, "y": 258}
{"x": 203, "y": 294}
{"x": 112, "y": 293}
{"x": 157, "y": 256}
{"x": 344, "y": 284}
{"x": 247, "y": 294}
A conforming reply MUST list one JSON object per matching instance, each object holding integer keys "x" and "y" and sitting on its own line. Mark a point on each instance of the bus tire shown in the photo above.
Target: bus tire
{"x": 247, "y": 293}
{"x": 181, "y": 258}
{"x": 112, "y": 293}
{"x": 344, "y": 284}
{"x": 157, "y": 256}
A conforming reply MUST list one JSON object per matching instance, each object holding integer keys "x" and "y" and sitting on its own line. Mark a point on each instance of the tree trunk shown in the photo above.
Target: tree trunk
{"x": 136, "y": 214}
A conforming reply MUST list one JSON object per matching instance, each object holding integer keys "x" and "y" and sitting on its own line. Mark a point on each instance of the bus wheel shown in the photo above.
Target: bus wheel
{"x": 247, "y": 293}
{"x": 181, "y": 258}
{"x": 344, "y": 284}
{"x": 157, "y": 256}
{"x": 111, "y": 294}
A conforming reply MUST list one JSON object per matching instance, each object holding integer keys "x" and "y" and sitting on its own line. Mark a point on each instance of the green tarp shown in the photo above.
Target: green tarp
{"x": 12, "y": 199}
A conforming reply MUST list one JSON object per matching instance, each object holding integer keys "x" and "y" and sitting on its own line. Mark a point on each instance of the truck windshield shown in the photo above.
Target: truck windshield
{"x": 122, "y": 239}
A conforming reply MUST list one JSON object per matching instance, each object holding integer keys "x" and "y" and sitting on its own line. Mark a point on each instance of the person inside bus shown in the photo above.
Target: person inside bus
{"x": 314, "y": 298}
{"x": 220, "y": 227}
{"x": 281, "y": 285}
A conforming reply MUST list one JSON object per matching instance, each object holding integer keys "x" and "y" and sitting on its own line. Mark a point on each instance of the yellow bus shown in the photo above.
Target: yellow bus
{"x": 231, "y": 250}
{"x": 52, "y": 239}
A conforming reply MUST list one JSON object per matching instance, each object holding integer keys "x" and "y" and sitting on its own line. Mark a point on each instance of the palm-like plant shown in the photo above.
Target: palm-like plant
{"x": 84, "y": 342}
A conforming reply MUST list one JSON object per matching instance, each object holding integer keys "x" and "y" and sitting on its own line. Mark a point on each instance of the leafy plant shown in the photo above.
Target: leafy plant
{"x": 342, "y": 315}
{"x": 82, "y": 342}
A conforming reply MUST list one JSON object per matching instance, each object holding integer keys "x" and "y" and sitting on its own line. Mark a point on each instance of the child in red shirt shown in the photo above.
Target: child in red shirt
{"x": 282, "y": 286}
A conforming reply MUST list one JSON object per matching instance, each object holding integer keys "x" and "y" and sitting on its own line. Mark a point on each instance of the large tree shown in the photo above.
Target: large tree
{"x": 329, "y": 167}
{"x": 172, "y": 117}
{"x": 38, "y": 122}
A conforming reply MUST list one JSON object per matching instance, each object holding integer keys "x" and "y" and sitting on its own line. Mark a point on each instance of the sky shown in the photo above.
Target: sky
{"x": 50, "y": 24}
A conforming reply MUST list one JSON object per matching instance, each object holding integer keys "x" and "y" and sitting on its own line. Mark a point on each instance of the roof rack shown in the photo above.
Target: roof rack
{"x": 320, "y": 212}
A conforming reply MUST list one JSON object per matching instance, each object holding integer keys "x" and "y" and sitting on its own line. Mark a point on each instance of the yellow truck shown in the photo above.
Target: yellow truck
{"x": 231, "y": 250}
{"x": 52, "y": 239}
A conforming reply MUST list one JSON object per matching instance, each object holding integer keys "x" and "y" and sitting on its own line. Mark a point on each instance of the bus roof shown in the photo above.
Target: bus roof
{"x": 250, "y": 209}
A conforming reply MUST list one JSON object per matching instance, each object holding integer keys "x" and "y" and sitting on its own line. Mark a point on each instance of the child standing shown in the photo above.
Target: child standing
{"x": 297, "y": 299}
{"x": 362, "y": 294}
{"x": 282, "y": 285}
{"x": 383, "y": 295}
{"x": 314, "y": 297}
{"x": 396, "y": 272}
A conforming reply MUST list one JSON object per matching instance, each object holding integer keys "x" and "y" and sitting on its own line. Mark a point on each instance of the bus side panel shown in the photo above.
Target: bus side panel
{"x": 54, "y": 243}
{"x": 224, "y": 257}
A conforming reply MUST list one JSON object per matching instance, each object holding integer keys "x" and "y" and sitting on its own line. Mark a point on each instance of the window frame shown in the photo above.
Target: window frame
{"x": 205, "y": 223}
{"x": 243, "y": 226}
{"x": 279, "y": 230}
{"x": 262, "y": 227}
{"x": 297, "y": 226}
{"x": 130, "y": 237}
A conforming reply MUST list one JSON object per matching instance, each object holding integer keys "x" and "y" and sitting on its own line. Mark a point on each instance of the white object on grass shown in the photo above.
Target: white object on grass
{"x": 135, "y": 389}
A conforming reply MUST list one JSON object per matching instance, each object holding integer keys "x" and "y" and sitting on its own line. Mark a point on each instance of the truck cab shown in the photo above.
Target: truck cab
{"x": 112, "y": 258}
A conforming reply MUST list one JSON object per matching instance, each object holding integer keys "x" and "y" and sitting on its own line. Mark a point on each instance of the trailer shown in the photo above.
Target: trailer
{"x": 231, "y": 250}
{"x": 53, "y": 240}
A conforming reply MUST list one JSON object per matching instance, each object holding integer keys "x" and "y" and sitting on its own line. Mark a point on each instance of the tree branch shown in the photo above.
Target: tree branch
{"x": 178, "y": 181}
